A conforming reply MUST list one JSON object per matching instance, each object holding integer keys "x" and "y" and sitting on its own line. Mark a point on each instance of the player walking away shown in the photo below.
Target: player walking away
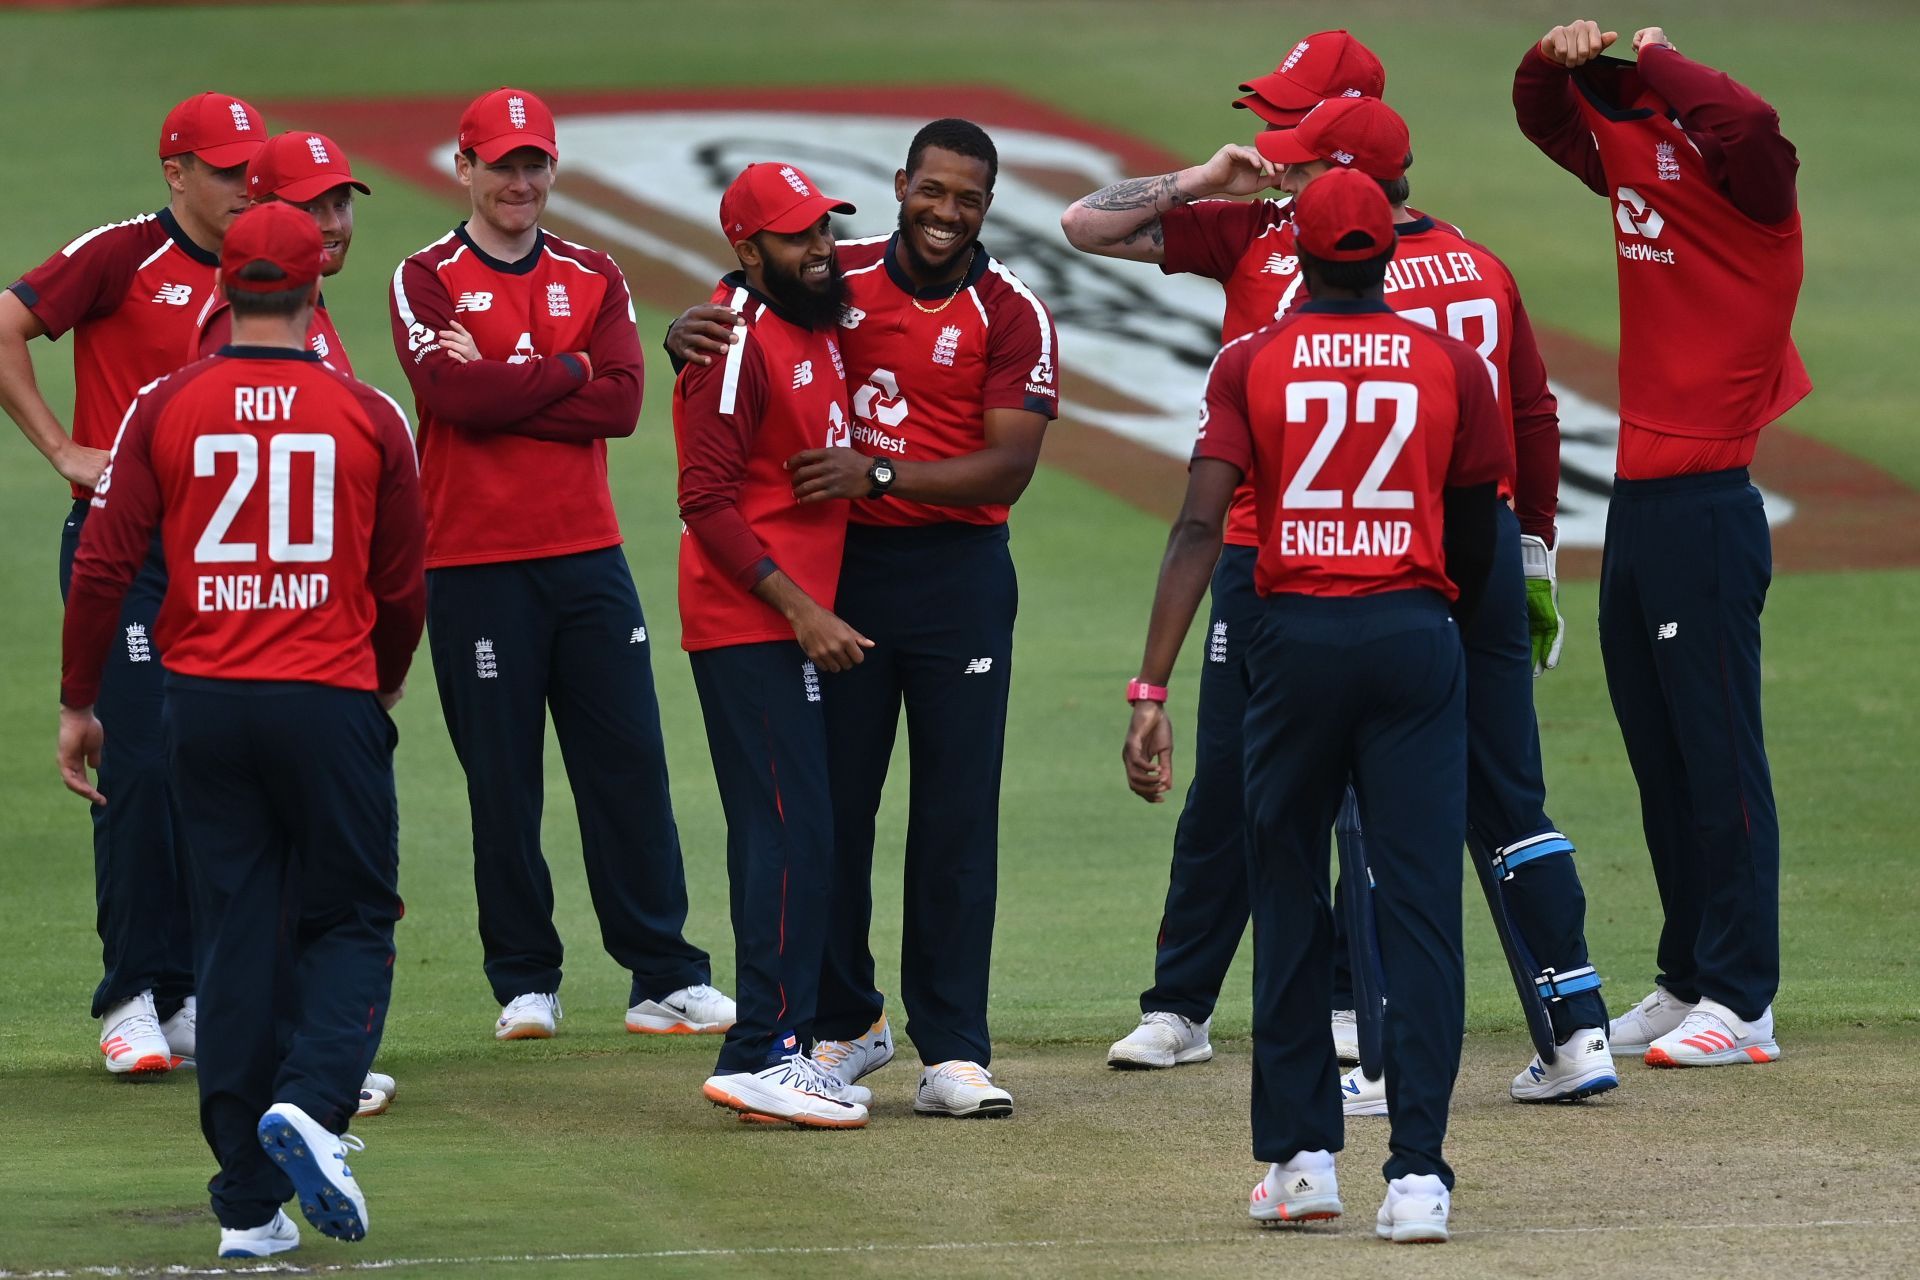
{"x": 1179, "y": 221}
{"x": 524, "y": 362}
{"x": 287, "y": 499}
{"x": 1372, "y": 442}
{"x": 1708, "y": 232}
{"x": 130, "y": 292}
{"x": 757, "y": 575}
{"x": 952, "y": 360}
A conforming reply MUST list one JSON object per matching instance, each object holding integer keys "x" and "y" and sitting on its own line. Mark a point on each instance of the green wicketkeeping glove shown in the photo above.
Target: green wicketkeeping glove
{"x": 1543, "y": 601}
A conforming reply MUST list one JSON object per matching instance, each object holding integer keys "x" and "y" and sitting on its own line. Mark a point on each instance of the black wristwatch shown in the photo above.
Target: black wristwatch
{"x": 880, "y": 476}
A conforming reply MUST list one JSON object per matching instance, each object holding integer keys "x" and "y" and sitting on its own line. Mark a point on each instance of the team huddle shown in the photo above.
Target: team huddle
{"x": 258, "y": 542}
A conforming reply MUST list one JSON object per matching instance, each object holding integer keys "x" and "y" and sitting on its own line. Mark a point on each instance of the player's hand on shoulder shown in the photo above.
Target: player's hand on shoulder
{"x": 1650, "y": 36}
{"x": 819, "y": 474}
{"x": 1577, "y": 43}
{"x": 79, "y": 749}
{"x": 703, "y": 332}
{"x": 80, "y": 465}
{"x": 1148, "y": 752}
{"x": 1236, "y": 170}
{"x": 828, "y": 641}
{"x": 459, "y": 343}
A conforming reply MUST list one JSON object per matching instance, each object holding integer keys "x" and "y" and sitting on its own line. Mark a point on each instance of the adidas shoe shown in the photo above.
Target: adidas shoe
{"x": 695, "y": 1010}
{"x": 794, "y": 1089}
{"x": 1581, "y": 1068}
{"x": 131, "y": 1040}
{"x": 850, "y": 1060}
{"x": 1712, "y": 1035}
{"x": 278, "y": 1236}
{"x": 373, "y": 1102}
{"x": 179, "y": 1033}
{"x": 1162, "y": 1040}
{"x": 1346, "y": 1035}
{"x": 963, "y": 1089}
{"x": 315, "y": 1159}
{"x": 1301, "y": 1190}
{"x": 1415, "y": 1210}
{"x": 1630, "y": 1034}
{"x": 1360, "y": 1096}
{"x": 384, "y": 1083}
{"x": 528, "y": 1017}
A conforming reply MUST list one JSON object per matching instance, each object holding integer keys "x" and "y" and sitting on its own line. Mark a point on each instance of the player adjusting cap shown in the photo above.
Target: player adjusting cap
{"x": 1342, "y": 216}
{"x": 771, "y": 196}
{"x": 1355, "y": 133}
{"x": 1327, "y": 64}
{"x": 217, "y": 127}
{"x": 275, "y": 233}
{"x": 496, "y": 123}
{"x": 299, "y": 167}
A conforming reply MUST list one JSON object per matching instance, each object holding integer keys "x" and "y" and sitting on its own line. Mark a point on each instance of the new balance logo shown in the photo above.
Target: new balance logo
{"x": 1668, "y": 630}
{"x": 174, "y": 295}
{"x": 803, "y": 374}
{"x": 639, "y": 636}
{"x": 850, "y": 317}
{"x": 1281, "y": 264}
{"x": 320, "y": 347}
{"x": 139, "y": 647}
{"x": 1596, "y": 1045}
{"x": 474, "y": 302}
{"x": 978, "y": 666}
{"x": 484, "y": 664}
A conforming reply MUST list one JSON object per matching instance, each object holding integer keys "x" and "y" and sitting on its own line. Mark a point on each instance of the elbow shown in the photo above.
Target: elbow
{"x": 1073, "y": 225}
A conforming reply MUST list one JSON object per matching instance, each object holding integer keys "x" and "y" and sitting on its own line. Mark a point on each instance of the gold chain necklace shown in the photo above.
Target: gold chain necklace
{"x": 934, "y": 311}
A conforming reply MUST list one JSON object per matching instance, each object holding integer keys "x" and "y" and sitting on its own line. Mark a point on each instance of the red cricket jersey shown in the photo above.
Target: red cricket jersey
{"x": 1351, "y": 420}
{"x": 216, "y": 330}
{"x": 513, "y": 454}
{"x": 781, "y": 389}
{"x": 131, "y": 292}
{"x": 922, "y": 384}
{"x": 288, "y": 501}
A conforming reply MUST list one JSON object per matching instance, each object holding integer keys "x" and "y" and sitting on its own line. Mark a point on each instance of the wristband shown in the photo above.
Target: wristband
{"x": 1141, "y": 691}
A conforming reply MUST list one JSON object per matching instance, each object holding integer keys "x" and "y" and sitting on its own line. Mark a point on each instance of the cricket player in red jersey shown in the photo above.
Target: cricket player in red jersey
{"x": 1376, "y": 447}
{"x": 952, "y": 360}
{"x": 757, "y": 577}
{"x": 524, "y": 362}
{"x": 130, "y": 293}
{"x": 1708, "y": 235}
{"x": 287, "y": 498}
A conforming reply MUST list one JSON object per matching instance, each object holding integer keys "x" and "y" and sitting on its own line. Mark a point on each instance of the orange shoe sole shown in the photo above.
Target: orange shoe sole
{"x": 526, "y": 1033}
{"x": 681, "y": 1029}
{"x": 721, "y": 1098}
{"x": 1658, "y": 1057}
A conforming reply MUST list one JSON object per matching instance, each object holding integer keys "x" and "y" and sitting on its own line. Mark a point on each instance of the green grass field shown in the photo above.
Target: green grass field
{"x": 597, "y": 1146}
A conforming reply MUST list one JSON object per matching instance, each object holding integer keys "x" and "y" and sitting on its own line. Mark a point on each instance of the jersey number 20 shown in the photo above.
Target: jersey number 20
{"x": 213, "y": 548}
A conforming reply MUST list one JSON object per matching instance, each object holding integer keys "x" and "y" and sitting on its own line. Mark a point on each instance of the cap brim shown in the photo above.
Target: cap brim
{"x": 301, "y": 190}
{"x": 229, "y": 154}
{"x": 805, "y": 214}
{"x": 1283, "y": 146}
{"x": 493, "y": 148}
{"x": 1282, "y": 92}
{"x": 1280, "y": 116}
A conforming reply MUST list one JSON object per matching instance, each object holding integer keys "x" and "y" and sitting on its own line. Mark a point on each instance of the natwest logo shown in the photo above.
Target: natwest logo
{"x": 1635, "y": 216}
{"x": 880, "y": 400}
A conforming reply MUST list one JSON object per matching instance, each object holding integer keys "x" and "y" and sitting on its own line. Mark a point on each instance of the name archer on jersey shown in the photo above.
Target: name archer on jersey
{"x": 1359, "y": 350}
{"x": 238, "y": 592}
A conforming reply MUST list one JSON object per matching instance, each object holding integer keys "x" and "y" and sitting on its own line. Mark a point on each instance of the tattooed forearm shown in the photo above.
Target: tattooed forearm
{"x": 1150, "y": 233}
{"x": 1138, "y": 193}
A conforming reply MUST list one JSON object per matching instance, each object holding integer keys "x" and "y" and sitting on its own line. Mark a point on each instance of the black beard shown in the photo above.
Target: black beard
{"x": 918, "y": 267}
{"x": 814, "y": 308}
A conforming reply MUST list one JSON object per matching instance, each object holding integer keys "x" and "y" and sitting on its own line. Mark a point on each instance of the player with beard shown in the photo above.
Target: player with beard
{"x": 757, "y": 577}
{"x": 952, "y": 362}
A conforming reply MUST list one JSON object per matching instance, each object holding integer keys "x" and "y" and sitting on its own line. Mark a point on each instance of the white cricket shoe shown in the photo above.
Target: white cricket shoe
{"x": 1415, "y": 1210}
{"x": 373, "y": 1102}
{"x": 1581, "y": 1068}
{"x": 1712, "y": 1035}
{"x": 315, "y": 1159}
{"x": 795, "y": 1089}
{"x": 384, "y": 1083}
{"x": 1162, "y": 1040}
{"x": 960, "y": 1088}
{"x": 179, "y": 1031}
{"x": 1630, "y": 1034}
{"x": 528, "y": 1017}
{"x": 131, "y": 1040}
{"x": 1301, "y": 1190}
{"x": 851, "y": 1060}
{"x": 278, "y": 1236}
{"x": 1346, "y": 1035}
{"x": 690, "y": 1011}
{"x": 1360, "y": 1096}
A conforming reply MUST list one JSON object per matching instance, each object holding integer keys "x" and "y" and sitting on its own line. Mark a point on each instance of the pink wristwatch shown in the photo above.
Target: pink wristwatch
{"x": 1141, "y": 691}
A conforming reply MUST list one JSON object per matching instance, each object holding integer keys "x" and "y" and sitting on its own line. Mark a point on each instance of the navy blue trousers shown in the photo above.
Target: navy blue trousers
{"x": 768, "y": 737}
{"x": 1683, "y": 580}
{"x": 141, "y": 890}
{"x": 1371, "y": 688}
{"x": 510, "y": 640}
{"x": 286, "y": 796}
{"x": 938, "y": 601}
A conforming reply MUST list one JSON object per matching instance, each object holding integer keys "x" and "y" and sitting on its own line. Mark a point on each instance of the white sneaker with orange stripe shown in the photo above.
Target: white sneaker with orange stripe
{"x": 690, "y": 1011}
{"x": 959, "y": 1088}
{"x": 793, "y": 1089}
{"x": 1712, "y": 1035}
{"x": 529, "y": 1017}
{"x": 1303, "y": 1189}
{"x": 131, "y": 1040}
{"x": 849, "y": 1061}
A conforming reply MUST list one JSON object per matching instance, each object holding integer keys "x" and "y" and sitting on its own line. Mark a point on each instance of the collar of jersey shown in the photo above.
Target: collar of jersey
{"x": 1611, "y": 111}
{"x": 250, "y": 352}
{"x": 1415, "y": 226}
{"x": 935, "y": 292}
{"x": 185, "y": 241}
{"x": 519, "y": 268}
{"x": 1348, "y": 307}
{"x": 738, "y": 280}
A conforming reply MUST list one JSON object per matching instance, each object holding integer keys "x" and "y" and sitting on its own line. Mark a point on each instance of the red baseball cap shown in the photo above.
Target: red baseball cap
{"x": 495, "y": 123}
{"x": 1342, "y": 216}
{"x": 770, "y": 196}
{"x": 1327, "y": 64}
{"x": 1358, "y": 133}
{"x": 298, "y": 167}
{"x": 219, "y": 128}
{"x": 277, "y": 233}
